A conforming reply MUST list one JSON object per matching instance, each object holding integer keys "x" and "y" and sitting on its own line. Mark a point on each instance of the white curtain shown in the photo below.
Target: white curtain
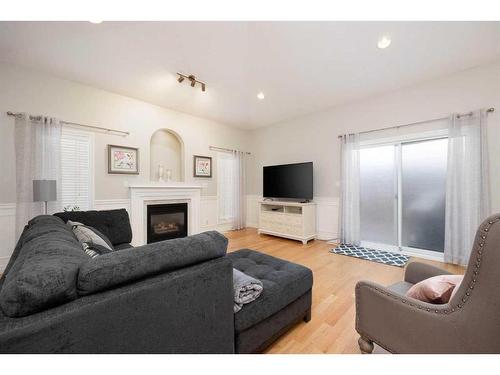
{"x": 239, "y": 190}
{"x": 38, "y": 150}
{"x": 350, "y": 211}
{"x": 231, "y": 188}
{"x": 467, "y": 184}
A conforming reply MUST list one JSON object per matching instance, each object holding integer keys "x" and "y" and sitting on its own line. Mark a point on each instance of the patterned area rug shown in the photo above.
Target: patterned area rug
{"x": 392, "y": 259}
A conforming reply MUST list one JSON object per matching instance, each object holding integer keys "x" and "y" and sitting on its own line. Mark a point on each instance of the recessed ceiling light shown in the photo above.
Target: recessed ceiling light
{"x": 260, "y": 96}
{"x": 384, "y": 42}
{"x": 96, "y": 21}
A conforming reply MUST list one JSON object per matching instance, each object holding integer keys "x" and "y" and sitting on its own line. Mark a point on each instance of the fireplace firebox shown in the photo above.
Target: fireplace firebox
{"x": 167, "y": 221}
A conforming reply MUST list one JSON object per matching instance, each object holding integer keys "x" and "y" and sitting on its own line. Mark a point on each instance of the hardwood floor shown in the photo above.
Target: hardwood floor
{"x": 331, "y": 329}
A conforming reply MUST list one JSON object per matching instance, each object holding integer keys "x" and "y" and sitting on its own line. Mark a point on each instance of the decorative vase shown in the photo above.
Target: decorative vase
{"x": 160, "y": 173}
{"x": 169, "y": 175}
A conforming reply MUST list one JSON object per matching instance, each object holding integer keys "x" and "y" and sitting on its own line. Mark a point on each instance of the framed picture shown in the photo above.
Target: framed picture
{"x": 202, "y": 166}
{"x": 123, "y": 160}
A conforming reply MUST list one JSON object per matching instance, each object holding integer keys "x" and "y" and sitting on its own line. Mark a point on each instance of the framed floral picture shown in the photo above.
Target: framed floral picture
{"x": 123, "y": 160}
{"x": 202, "y": 166}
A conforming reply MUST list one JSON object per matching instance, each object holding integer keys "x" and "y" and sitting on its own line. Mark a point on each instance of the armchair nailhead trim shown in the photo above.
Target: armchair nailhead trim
{"x": 486, "y": 229}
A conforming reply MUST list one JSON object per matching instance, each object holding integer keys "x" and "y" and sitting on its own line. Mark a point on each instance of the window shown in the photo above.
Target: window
{"x": 76, "y": 169}
{"x": 226, "y": 175}
{"x": 403, "y": 193}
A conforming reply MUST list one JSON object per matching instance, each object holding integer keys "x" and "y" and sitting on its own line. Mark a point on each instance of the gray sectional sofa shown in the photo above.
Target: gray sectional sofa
{"x": 173, "y": 296}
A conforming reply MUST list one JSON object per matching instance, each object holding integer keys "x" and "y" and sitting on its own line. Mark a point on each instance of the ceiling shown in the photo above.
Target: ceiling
{"x": 301, "y": 67}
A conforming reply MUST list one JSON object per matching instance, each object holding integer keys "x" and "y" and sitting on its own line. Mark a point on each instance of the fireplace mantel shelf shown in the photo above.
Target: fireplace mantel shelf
{"x": 166, "y": 185}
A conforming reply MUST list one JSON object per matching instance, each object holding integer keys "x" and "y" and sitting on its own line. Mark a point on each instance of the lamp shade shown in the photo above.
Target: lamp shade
{"x": 44, "y": 190}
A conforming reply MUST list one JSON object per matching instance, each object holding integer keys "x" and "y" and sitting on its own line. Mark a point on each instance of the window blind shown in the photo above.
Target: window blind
{"x": 76, "y": 169}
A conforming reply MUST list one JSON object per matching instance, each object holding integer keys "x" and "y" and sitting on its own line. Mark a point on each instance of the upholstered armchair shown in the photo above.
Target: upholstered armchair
{"x": 469, "y": 323}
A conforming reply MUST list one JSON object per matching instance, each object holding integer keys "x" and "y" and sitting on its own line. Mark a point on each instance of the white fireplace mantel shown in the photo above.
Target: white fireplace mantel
{"x": 142, "y": 195}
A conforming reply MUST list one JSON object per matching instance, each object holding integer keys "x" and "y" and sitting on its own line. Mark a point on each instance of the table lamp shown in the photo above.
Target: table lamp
{"x": 44, "y": 191}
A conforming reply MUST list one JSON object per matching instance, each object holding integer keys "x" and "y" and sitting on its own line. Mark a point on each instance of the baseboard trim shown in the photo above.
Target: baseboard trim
{"x": 326, "y": 236}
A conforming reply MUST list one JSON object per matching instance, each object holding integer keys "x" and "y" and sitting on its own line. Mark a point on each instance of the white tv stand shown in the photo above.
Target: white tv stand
{"x": 293, "y": 220}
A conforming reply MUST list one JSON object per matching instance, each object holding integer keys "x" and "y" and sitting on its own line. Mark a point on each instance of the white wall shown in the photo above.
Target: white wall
{"x": 314, "y": 137}
{"x": 24, "y": 90}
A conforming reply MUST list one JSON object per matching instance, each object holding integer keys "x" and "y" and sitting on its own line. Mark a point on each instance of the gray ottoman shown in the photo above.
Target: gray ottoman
{"x": 285, "y": 300}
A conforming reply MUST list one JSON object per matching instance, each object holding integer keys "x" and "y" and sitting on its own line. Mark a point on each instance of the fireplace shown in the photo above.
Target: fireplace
{"x": 166, "y": 221}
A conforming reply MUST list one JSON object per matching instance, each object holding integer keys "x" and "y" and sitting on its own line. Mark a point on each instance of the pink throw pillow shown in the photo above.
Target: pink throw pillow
{"x": 437, "y": 289}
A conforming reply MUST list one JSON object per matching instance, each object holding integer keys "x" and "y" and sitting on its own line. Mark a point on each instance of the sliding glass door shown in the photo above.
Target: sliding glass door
{"x": 423, "y": 194}
{"x": 402, "y": 195}
{"x": 378, "y": 195}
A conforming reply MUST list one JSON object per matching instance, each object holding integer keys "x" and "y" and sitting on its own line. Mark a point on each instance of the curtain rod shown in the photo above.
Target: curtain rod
{"x": 489, "y": 110}
{"x": 76, "y": 124}
{"x": 213, "y": 148}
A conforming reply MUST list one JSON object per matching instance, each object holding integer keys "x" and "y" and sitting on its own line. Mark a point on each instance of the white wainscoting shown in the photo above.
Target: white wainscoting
{"x": 327, "y": 212}
{"x": 252, "y": 207}
{"x": 7, "y": 232}
{"x": 208, "y": 212}
{"x": 327, "y": 217}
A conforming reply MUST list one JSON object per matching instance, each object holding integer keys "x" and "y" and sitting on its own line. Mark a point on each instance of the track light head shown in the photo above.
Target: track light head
{"x": 192, "y": 78}
{"x": 193, "y": 81}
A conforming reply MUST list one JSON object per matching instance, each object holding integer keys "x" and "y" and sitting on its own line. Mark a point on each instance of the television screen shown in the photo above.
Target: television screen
{"x": 291, "y": 181}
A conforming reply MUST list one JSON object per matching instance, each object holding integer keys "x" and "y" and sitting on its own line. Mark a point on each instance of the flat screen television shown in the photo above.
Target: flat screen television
{"x": 289, "y": 181}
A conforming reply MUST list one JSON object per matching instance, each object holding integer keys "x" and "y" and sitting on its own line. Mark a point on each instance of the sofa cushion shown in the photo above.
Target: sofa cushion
{"x": 44, "y": 272}
{"x": 400, "y": 287}
{"x": 31, "y": 231}
{"x": 114, "y": 224}
{"x": 120, "y": 267}
{"x": 283, "y": 281}
{"x": 45, "y": 219}
{"x": 44, "y": 224}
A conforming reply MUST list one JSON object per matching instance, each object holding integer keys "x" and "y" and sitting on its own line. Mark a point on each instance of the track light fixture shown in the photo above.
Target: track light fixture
{"x": 192, "y": 79}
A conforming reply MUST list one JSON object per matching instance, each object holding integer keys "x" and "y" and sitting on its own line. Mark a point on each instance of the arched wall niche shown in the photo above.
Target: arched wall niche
{"x": 167, "y": 149}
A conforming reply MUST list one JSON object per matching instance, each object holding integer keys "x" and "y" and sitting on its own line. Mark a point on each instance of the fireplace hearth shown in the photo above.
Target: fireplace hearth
{"x": 167, "y": 221}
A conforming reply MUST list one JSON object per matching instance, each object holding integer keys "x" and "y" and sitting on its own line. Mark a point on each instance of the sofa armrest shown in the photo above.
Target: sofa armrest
{"x": 416, "y": 272}
{"x": 403, "y": 325}
{"x": 189, "y": 310}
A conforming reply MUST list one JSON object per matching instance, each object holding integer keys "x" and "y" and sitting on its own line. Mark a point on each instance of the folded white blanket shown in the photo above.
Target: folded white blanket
{"x": 246, "y": 289}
